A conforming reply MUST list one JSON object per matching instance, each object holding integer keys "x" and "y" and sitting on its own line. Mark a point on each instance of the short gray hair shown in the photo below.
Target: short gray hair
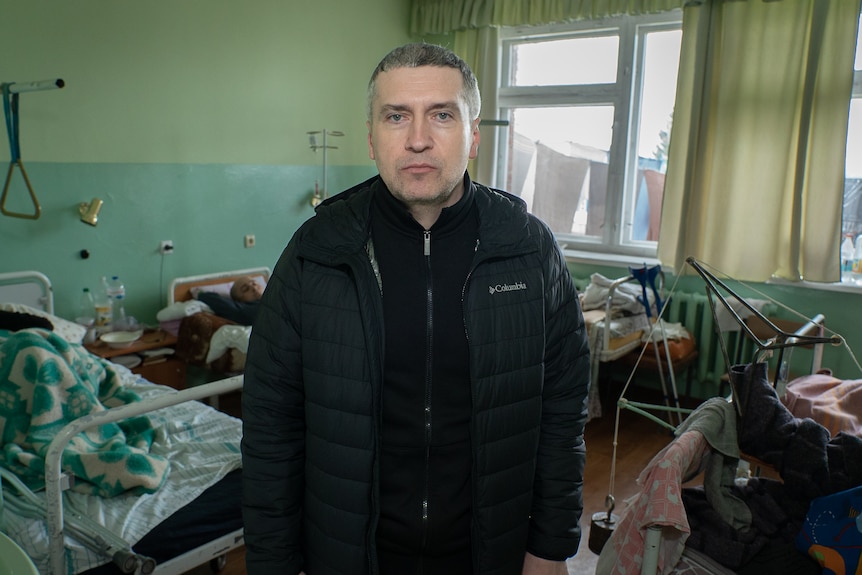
{"x": 422, "y": 54}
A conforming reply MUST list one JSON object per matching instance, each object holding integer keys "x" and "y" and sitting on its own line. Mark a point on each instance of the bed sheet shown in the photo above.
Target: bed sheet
{"x": 202, "y": 445}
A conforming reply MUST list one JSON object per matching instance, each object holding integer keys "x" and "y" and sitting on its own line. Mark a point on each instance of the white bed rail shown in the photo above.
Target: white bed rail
{"x": 55, "y": 478}
{"x": 15, "y": 283}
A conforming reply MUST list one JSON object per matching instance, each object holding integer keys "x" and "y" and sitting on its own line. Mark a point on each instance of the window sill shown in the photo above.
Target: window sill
{"x": 845, "y": 287}
{"x": 626, "y": 261}
{"x": 611, "y": 260}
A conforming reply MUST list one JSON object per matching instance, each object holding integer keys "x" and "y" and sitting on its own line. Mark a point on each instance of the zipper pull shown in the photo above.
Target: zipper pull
{"x": 427, "y": 243}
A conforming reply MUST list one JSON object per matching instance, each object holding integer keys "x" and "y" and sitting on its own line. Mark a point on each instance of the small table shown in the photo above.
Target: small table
{"x": 165, "y": 369}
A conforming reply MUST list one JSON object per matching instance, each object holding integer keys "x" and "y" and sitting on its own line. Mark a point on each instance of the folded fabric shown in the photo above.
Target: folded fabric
{"x": 228, "y": 337}
{"x": 625, "y": 295}
{"x": 671, "y": 330}
{"x": 181, "y": 309}
{"x": 716, "y": 420}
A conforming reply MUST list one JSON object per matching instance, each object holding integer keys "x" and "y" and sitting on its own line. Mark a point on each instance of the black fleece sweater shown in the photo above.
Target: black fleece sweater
{"x": 426, "y": 457}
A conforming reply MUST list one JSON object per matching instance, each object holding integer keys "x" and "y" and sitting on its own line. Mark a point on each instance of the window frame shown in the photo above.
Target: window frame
{"x": 624, "y": 95}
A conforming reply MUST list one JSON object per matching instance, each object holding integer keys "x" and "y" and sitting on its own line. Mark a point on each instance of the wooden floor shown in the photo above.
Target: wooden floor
{"x": 638, "y": 441}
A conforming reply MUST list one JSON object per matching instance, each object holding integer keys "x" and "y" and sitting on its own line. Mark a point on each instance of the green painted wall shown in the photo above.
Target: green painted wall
{"x": 189, "y": 120}
{"x": 841, "y": 309}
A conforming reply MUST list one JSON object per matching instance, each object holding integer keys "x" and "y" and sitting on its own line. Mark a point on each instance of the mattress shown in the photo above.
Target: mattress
{"x": 202, "y": 445}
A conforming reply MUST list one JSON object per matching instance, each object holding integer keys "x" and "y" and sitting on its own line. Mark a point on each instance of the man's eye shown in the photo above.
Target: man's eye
{"x": 396, "y": 117}
{"x": 443, "y": 115}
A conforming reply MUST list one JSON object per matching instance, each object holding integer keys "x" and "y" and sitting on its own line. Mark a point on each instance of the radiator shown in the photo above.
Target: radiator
{"x": 693, "y": 311}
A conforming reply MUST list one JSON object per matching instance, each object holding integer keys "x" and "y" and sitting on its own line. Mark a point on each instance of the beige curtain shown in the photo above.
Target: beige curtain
{"x": 445, "y": 16}
{"x": 479, "y": 49}
{"x": 756, "y": 161}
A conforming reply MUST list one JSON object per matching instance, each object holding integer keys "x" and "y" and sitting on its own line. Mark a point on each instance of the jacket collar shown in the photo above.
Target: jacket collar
{"x": 341, "y": 225}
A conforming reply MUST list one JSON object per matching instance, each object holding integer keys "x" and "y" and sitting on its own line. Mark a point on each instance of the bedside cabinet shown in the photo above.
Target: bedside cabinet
{"x": 164, "y": 369}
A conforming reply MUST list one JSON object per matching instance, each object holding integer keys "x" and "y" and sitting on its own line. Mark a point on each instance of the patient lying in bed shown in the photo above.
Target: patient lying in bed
{"x": 241, "y": 307}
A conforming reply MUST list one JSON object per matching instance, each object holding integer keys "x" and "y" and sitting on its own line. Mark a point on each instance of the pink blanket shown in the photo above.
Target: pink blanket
{"x": 833, "y": 403}
{"x": 658, "y": 503}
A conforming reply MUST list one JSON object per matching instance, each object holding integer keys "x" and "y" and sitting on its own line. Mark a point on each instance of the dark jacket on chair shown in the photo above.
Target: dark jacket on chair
{"x": 313, "y": 385}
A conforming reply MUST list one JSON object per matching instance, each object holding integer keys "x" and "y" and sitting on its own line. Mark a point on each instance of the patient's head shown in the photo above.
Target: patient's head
{"x": 246, "y": 289}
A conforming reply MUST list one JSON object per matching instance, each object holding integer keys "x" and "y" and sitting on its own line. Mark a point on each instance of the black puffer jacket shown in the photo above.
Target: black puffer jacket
{"x": 311, "y": 401}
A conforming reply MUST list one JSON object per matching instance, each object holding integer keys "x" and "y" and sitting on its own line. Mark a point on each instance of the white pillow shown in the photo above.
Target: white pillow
{"x": 181, "y": 309}
{"x": 70, "y": 331}
{"x": 221, "y": 289}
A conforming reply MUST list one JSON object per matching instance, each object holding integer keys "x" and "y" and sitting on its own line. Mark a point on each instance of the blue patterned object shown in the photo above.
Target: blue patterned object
{"x": 45, "y": 383}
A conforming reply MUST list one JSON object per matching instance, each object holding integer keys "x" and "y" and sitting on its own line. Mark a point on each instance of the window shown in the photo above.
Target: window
{"x": 589, "y": 107}
{"x": 852, "y": 224}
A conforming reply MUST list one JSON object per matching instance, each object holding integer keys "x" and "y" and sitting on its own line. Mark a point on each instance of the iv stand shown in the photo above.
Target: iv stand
{"x": 320, "y": 194}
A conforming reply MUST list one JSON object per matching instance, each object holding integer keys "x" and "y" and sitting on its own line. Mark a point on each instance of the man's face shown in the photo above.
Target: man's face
{"x": 246, "y": 290}
{"x": 420, "y": 134}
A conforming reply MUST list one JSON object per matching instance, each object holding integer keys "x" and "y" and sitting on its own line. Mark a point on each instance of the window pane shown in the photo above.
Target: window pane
{"x": 853, "y": 171}
{"x": 851, "y": 271}
{"x": 661, "y": 58}
{"x": 558, "y": 163}
{"x": 586, "y": 61}
{"x": 858, "y": 65}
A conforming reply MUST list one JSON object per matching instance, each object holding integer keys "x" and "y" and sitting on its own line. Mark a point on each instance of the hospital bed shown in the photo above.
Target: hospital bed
{"x": 204, "y": 338}
{"x": 192, "y": 517}
{"x": 733, "y": 521}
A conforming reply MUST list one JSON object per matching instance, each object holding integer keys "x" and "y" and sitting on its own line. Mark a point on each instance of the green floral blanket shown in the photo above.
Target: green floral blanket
{"x": 46, "y": 382}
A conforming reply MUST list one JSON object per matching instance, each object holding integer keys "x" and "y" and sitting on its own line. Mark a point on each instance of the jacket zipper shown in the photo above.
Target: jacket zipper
{"x": 429, "y": 333}
{"x": 473, "y": 392}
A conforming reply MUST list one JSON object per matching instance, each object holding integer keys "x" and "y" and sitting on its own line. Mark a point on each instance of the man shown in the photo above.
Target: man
{"x": 242, "y": 305}
{"x": 246, "y": 289}
{"x": 416, "y": 382}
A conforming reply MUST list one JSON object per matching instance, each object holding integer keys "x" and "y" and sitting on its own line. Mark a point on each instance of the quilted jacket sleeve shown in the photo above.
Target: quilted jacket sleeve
{"x": 558, "y": 489}
{"x": 273, "y": 427}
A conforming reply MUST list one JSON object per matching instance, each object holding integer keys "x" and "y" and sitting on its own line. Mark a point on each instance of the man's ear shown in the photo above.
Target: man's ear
{"x": 475, "y": 137}
{"x": 370, "y": 144}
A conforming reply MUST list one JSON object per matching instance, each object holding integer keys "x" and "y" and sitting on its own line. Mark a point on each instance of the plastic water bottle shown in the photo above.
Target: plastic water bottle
{"x": 104, "y": 309}
{"x": 121, "y": 321}
{"x": 116, "y": 292}
{"x": 848, "y": 253}
{"x": 857, "y": 261}
{"x": 86, "y": 315}
{"x": 114, "y": 287}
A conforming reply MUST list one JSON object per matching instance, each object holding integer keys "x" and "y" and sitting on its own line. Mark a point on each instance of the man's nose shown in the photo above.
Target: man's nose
{"x": 419, "y": 135}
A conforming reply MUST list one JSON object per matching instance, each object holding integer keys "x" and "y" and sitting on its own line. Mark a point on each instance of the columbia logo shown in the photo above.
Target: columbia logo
{"x": 501, "y": 288}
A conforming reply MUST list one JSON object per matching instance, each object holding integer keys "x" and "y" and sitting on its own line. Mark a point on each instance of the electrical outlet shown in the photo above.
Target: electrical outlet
{"x": 166, "y": 247}
{"x": 249, "y": 240}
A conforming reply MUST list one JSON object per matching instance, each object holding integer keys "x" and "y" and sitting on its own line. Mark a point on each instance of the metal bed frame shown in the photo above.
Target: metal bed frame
{"x": 12, "y": 289}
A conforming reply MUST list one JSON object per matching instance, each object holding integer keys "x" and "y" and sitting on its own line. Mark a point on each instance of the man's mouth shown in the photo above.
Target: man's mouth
{"x": 418, "y": 168}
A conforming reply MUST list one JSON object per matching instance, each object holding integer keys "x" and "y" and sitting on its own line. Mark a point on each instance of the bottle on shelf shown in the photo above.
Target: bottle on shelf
{"x": 86, "y": 315}
{"x": 120, "y": 320}
{"x": 857, "y": 261}
{"x": 104, "y": 310}
{"x": 116, "y": 292}
{"x": 114, "y": 287}
{"x": 848, "y": 253}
